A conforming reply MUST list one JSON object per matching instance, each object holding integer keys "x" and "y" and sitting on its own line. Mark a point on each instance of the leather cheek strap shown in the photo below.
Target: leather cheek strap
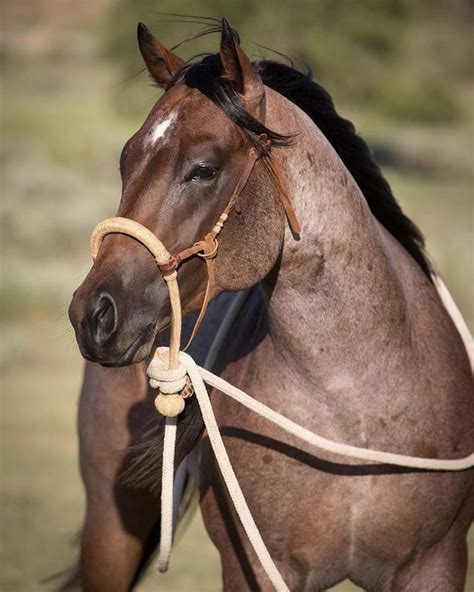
{"x": 209, "y": 253}
{"x": 208, "y": 247}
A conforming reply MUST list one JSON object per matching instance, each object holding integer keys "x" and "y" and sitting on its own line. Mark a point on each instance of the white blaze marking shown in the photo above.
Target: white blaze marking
{"x": 159, "y": 130}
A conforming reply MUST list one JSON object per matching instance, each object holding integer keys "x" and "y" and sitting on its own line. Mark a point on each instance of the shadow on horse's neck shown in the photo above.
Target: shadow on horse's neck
{"x": 337, "y": 288}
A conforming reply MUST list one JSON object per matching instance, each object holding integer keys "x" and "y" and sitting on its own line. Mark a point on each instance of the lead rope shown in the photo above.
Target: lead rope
{"x": 170, "y": 371}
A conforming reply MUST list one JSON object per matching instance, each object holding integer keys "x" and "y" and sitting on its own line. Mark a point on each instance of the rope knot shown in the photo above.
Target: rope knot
{"x": 172, "y": 382}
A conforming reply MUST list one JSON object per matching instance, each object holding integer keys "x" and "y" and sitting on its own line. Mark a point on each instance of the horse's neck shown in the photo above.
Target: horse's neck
{"x": 335, "y": 297}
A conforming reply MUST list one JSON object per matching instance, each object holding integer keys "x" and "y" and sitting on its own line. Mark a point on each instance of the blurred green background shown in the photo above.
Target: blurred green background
{"x": 73, "y": 91}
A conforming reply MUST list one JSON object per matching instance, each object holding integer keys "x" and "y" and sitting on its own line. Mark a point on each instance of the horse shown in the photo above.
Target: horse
{"x": 342, "y": 329}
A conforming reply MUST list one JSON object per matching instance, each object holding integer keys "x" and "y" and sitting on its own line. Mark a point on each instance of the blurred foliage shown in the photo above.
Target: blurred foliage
{"x": 409, "y": 59}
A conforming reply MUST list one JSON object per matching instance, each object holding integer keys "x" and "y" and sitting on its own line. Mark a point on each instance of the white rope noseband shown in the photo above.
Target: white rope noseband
{"x": 174, "y": 372}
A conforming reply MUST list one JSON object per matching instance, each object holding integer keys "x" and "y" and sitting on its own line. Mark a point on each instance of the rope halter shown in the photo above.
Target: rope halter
{"x": 173, "y": 391}
{"x": 170, "y": 401}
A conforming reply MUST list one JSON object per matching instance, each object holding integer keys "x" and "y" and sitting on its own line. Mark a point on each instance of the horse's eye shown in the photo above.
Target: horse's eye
{"x": 202, "y": 173}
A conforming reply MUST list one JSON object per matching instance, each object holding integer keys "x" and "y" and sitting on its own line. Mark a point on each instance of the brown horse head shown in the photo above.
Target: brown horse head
{"x": 179, "y": 171}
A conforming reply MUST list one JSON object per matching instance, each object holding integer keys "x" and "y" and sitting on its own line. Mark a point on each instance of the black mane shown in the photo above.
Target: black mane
{"x": 316, "y": 102}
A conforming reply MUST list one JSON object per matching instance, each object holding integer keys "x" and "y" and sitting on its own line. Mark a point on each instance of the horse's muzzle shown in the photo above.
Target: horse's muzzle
{"x": 116, "y": 309}
{"x": 107, "y": 337}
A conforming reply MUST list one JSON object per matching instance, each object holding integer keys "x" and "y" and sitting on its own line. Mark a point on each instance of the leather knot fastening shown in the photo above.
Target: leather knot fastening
{"x": 170, "y": 266}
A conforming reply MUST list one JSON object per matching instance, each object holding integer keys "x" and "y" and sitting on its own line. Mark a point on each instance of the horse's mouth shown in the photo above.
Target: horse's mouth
{"x": 136, "y": 352}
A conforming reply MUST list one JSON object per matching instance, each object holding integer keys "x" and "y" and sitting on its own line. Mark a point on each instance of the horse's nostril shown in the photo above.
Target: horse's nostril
{"x": 104, "y": 318}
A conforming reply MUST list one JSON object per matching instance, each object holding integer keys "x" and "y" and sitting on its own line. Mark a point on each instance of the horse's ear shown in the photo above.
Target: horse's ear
{"x": 239, "y": 71}
{"x": 162, "y": 64}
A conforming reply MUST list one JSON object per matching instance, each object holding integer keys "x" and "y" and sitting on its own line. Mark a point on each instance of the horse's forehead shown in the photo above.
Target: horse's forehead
{"x": 158, "y": 129}
{"x": 184, "y": 111}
